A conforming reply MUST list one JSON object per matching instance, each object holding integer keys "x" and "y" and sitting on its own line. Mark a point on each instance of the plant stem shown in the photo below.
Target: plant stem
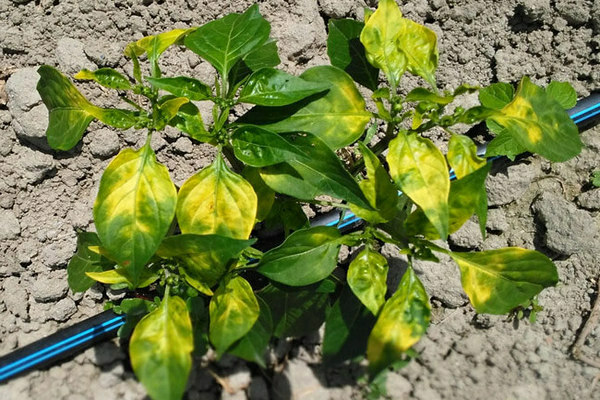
{"x": 236, "y": 165}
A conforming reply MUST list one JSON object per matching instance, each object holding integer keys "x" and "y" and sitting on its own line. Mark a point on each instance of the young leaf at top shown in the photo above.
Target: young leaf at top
{"x": 563, "y": 93}
{"x": 297, "y": 311}
{"x": 498, "y": 281}
{"x": 380, "y": 36}
{"x": 347, "y": 329}
{"x": 260, "y": 147}
{"x": 462, "y": 156}
{"x": 367, "y": 276}
{"x": 378, "y": 189}
{"x": 134, "y": 208}
{"x": 85, "y": 260}
{"x": 70, "y": 113}
{"x": 161, "y": 347}
{"x": 401, "y": 323}
{"x": 154, "y": 46}
{"x": 265, "y": 56}
{"x": 420, "y": 170}
{"x": 307, "y": 256}
{"x": 337, "y": 117}
{"x": 346, "y": 52}
{"x": 217, "y": 201}
{"x": 168, "y": 108}
{"x": 320, "y": 173}
{"x": 233, "y": 311}
{"x": 272, "y": 87}
{"x": 539, "y": 123}
{"x": 204, "y": 257}
{"x": 182, "y": 86}
{"x": 106, "y": 77}
{"x": 419, "y": 44}
{"x": 189, "y": 120}
{"x": 253, "y": 345}
{"x": 226, "y": 40}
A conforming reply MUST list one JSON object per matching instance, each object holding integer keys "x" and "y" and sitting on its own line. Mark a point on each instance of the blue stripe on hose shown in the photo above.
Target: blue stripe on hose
{"x": 585, "y": 111}
{"x": 583, "y": 118}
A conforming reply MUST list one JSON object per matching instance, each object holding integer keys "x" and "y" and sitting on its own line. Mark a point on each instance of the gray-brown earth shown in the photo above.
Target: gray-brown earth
{"x": 45, "y": 196}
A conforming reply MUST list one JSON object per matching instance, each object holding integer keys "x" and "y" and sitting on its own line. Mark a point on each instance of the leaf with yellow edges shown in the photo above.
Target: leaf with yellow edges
{"x": 217, "y": 201}
{"x": 134, "y": 208}
{"x": 401, "y": 323}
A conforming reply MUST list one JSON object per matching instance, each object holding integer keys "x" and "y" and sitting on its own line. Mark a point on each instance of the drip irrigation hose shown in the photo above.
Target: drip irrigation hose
{"x": 76, "y": 338}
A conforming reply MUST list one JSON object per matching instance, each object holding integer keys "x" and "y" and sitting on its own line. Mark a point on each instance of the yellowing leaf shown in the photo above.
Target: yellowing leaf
{"x": 498, "y": 281}
{"x": 134, "y": 208}
{"x": 367, "y": 277}
{"x": 462, "y": 156}
{"x": 155, "y": 45}
{"x": 217, "y": 201}
{"x": 403, "y": 320}
{"x": 419, "y": 45}
{"x": 233, "y": 311}
{"x": 123, "y": 275}
{"x": 419, "y": 169}
{"x": 378, "y": 189}
{"x": 536, "y": 121}
{"x": 161, "y": 347}
{"x": 380, "y": 36}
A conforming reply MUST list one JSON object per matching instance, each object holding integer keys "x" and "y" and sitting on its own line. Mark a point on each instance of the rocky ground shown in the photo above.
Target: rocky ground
{"x": 45, "y": 196}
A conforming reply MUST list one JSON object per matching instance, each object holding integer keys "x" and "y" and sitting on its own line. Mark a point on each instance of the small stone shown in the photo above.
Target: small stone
{"x": 9, "y": 225}
{"x": 21, "y": 90}
{"x": 31, "y": 126}
{"x": 183, "y": 145}
{"x": 468, "y": 236}
{"x": 16, "y": 302}
{"x": 590, "y": 200}
{"x": 58, "y": 254}
{"x": 71, "y": 56}
{"x": 568, "y": 229}
{"x": 10, "y": 266}
{"x": 62, "y": 310}
{"x": 298, "y": 381}
{"x": 535, "y": 10}
{"x": 52, "y": 288}
{"x": 106, "y": 353}
{"x": 104, "y": 143}
{"x": 506, "y": 187}
{"x": 573, "y": 11}
{"x": 496, "y": 220}
{"x": 239, "y": 380}
{"x": 36, "y": 165}
{"x": 104, "y": 54}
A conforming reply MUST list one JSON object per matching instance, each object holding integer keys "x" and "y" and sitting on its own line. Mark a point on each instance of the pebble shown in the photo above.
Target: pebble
{"x": 35, "y": 165}
{"x": 50, "y": 288}
{"x": 62, "y": 310}
{"x": 16, "y": 303}
{"x": 71, "y": 56}
{"x": 104, "y": 143}
{"x": 9, "y": 225}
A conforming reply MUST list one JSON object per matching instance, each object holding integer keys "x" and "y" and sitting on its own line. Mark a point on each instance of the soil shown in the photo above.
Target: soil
{"x": 45, "y": 196}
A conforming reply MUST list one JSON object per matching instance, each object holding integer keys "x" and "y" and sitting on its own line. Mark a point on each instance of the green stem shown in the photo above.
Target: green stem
{"x": 236, "y": 164}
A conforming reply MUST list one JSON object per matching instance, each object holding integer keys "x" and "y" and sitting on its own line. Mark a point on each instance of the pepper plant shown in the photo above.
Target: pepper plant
{"x": 194, "y": 249}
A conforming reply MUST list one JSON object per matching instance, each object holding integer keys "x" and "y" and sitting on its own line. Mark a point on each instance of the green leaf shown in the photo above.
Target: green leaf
{"x": 563, "y": 93}
{"x": 497, "y": 95}
{"x": 260, "y": 147}
{"x": 419, "y": 169}
{"x": 462, "y": 156}
{"x": 198, "y": 310}
{"x": 106, "y": 77}
{"x": 134, "y": 208}
{"x": 422, "y": 94}
{"x": 337, "y": 117}
{"x": 205, "y": 256}
{"x": 253, "y": 345}
{"x": 367, "y": 276}
{"x": 182, "y": 86}
{"x": 307, "y": 256}
{"x": 403, "y": 320}
{"x": 378, "y": 189}
{"x": 286, "y": 215}
{"x": 167, "y": 109}
{"x": 70, "y": 113}
{"x": 264, "y": 56}
{"x": 189, "y": 120}
{"x": 467, "y": 196}
{"x": 320, "y": 173}
{"x": 217, "y": 201}
{"x": 85, "y": 260}
{"x": 272, "y": 87}
{"x": 264, "y": 194}
{"x": 226, "y": 40}
{"x": 540, "y": 124}
{"x": 347, "y": 329}
{"x": 296, "y": 311}
{"x": 134, "y": 310}
{"x": 346, "y": 52}
{"x": 497, "y": 281}
{"x": 504, "y": 145}
{"x": 380, "y": 36}
{"x": 161, "y": 347}
{"x": 233, "y": 311}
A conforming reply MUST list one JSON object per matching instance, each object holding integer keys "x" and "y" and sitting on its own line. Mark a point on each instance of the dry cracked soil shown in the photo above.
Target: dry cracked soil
{"x": 45, "y": 196}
